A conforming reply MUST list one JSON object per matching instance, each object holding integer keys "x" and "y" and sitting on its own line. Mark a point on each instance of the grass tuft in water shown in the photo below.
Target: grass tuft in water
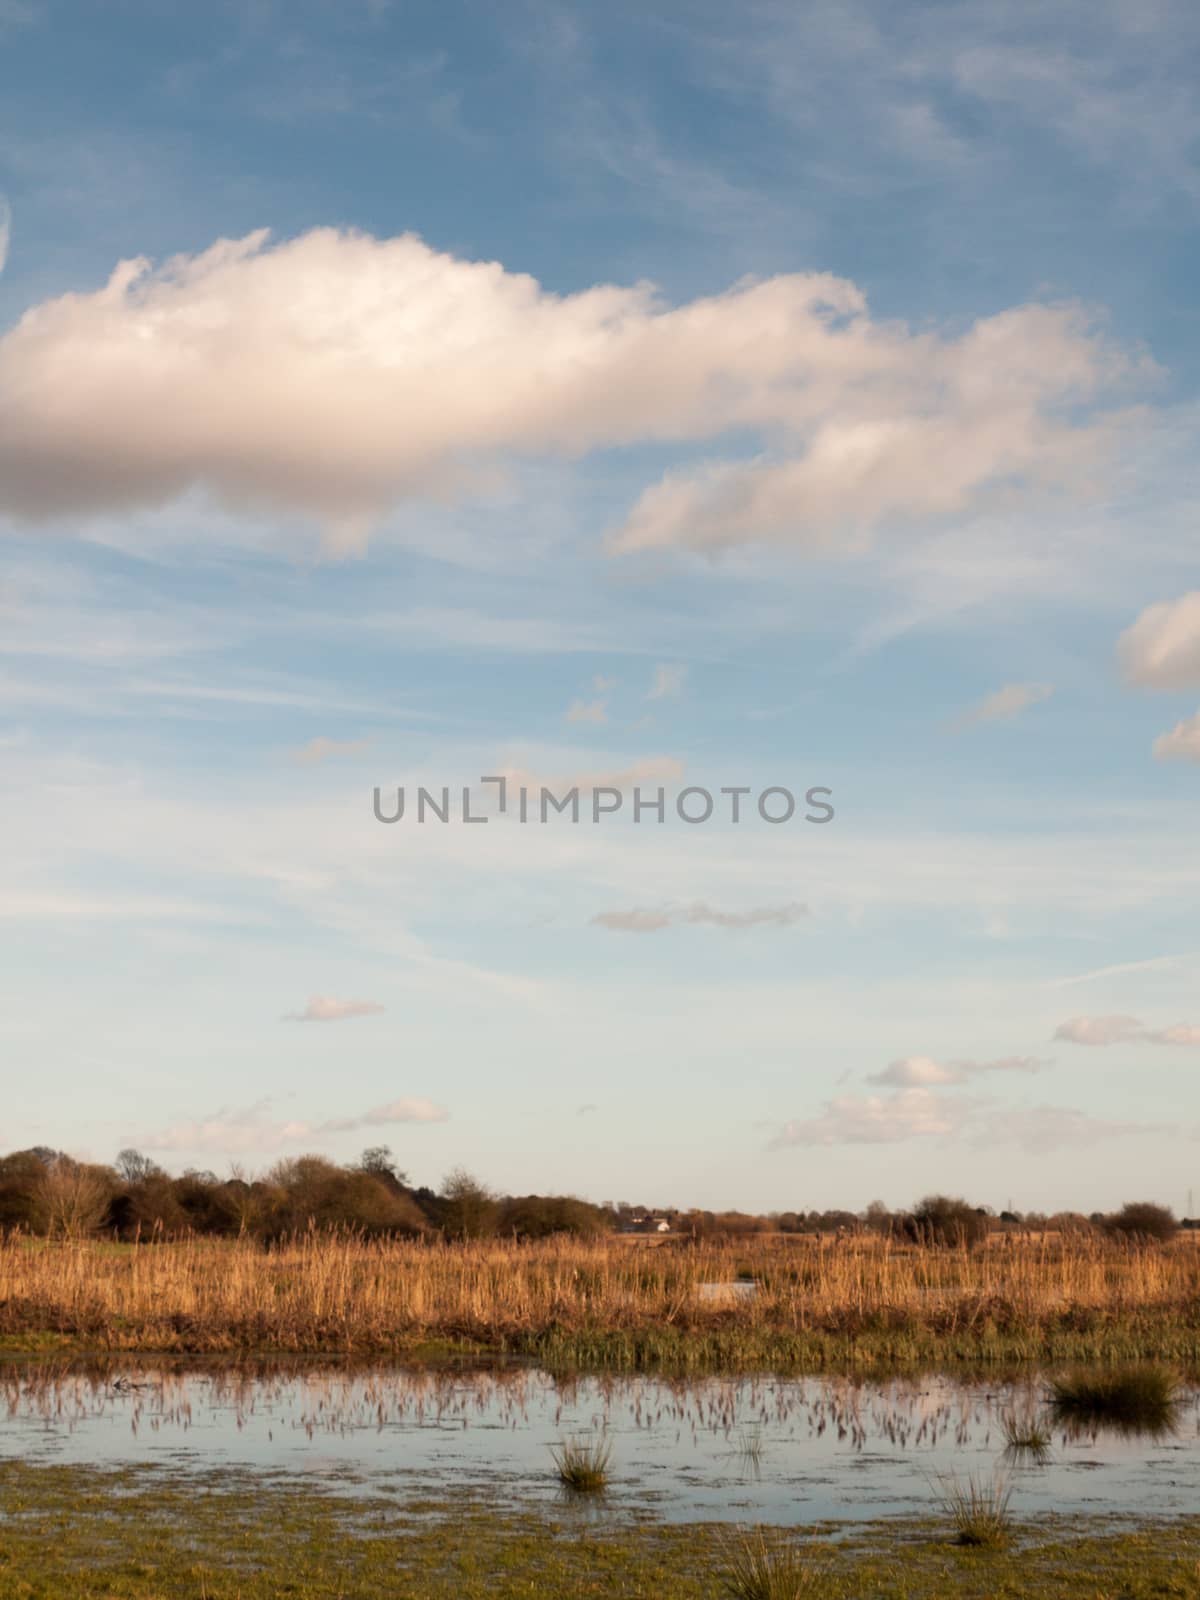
{"x": 1026, "y": 1440}
{"x": 750, "y": 1452}
{"x": 1131, "y": 1400}
{"x": 978, "y": 1508}
{"x": 756, "y": 1568}
{"x": 583, "y": 1464}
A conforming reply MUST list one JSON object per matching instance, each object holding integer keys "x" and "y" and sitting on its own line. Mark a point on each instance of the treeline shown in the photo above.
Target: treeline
{"x": 47, "y": 1192}
{"x": 937, "y": 1219}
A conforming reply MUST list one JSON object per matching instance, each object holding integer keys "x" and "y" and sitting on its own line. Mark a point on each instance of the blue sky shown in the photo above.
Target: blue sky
{"x": 799, "y": 396}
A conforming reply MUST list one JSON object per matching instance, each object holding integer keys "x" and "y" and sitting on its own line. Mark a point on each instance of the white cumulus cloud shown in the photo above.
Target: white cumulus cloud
{"x": 335, "y": 375}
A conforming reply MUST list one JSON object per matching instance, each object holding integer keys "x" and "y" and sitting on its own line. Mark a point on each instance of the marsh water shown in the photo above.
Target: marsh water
{"x": 787, "y": 1450}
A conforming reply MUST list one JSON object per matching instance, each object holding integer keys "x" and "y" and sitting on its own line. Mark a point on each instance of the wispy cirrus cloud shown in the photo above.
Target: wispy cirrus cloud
{"x": 325, "y": 1008}
{"x": 1104, "y": 1031}
{"x": 34, "y": 905}
{"x": 653, "y": 920}
{"x": 1120, "y": 969}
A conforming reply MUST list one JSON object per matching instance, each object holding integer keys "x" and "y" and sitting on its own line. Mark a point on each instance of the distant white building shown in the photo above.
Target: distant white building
{"x": 644, "y": 1224}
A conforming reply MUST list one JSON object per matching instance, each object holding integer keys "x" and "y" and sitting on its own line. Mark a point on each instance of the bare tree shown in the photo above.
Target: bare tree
{"x": 134, "y": 1167}
{"x": 71, "y": 1199}
{"x": 469, "y": 1207}
{"x": 378, "y": 1158}
{"x": 877, "y": 1217}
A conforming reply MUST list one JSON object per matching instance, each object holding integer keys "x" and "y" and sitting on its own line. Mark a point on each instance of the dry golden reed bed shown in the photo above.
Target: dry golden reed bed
{"x": 602, "y": 1303}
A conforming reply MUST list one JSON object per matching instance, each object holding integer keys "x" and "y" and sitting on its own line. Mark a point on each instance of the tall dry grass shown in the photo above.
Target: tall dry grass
{"x": 605, "y": 1303}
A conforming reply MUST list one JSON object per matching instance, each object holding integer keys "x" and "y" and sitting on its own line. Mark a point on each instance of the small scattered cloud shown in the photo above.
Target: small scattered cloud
{"x": 587, "y": 711}
{"x": 876, "y": 1119}
{"x": 322, "y": 749}
{"x": 916, "y": 1072}
{"x": 324, "y": 1008}
{"x": 782, "y": 916}
{"x": 1005, "y": 704}
{"x": 1006, "y": 1064}
{"x": 634, "y": 920}
{"x": 922, "y": 1113}
{"x": 1040, "y": 1129}
{"x": 1182, "y": 743}
{"x": 924, "y": 1072}
{"x": 1181, "y": 1033}
{"x": 654, "y": 770}
{"x": 252, "y": 1129}
{"x": 1098, "y": 1030}
{"x": 416, "y": 1109}
{"x": 603, "y": 685}
{"x": 1105, "y": 1031}
{"x": 587, "y": 1110}
{"x": 669, "y": 678}
{"x": 651, "y": 920}
{"x": 1161, "y": 650}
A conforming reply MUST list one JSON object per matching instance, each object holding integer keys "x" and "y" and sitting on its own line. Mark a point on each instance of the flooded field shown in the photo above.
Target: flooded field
{"x": 786, "y": 1451}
